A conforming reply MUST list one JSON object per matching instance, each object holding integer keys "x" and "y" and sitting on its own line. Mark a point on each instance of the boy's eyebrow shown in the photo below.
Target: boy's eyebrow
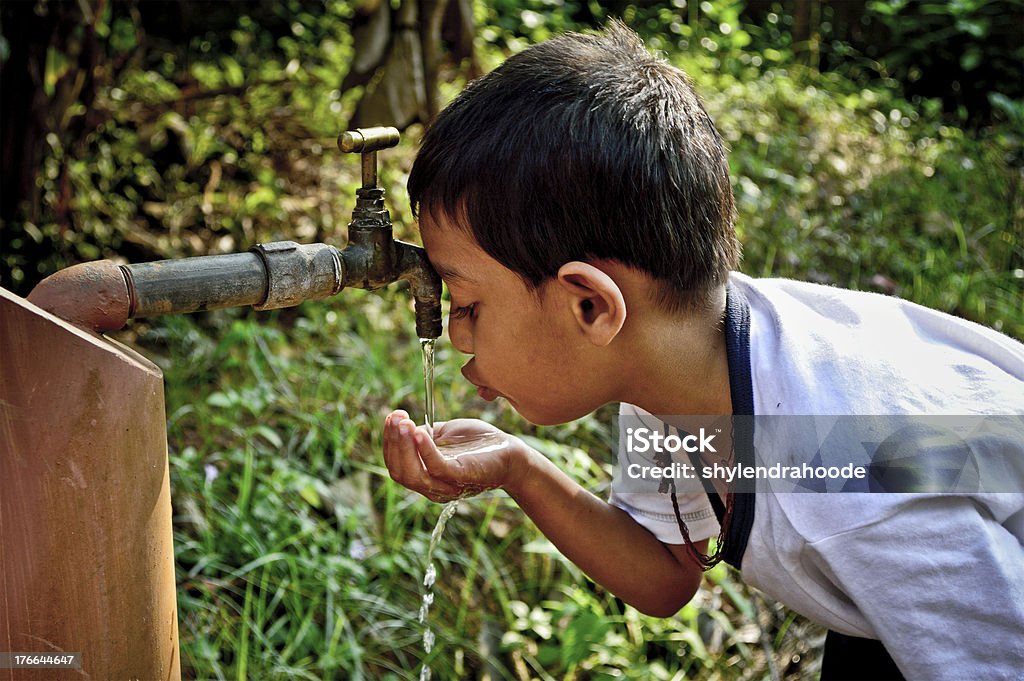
{"x": 451, "y": 274}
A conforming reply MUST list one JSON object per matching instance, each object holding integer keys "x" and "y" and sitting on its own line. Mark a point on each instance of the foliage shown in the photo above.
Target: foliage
{"x": 199, "y": 150}
{"x": 298, "y": 558}
{"x": 860, "y": 189}
{"x": 958, "y": 53}
{"x": 962, "y": 45}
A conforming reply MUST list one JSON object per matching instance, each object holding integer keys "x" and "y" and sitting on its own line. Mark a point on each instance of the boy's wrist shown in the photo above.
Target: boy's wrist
{"x": 520, "y": 461}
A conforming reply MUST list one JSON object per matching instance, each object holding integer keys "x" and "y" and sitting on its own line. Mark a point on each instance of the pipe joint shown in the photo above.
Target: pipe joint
{"x": 299, "y": 272}
{"x": 92, "y": 295}
{"x": 370, "y": 255}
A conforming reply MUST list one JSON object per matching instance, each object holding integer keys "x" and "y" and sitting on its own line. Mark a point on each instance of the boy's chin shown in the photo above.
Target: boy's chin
{"x": 549, "y": 418}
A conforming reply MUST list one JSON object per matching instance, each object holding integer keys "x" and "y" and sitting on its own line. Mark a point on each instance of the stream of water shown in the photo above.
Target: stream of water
{"x": 430, "y": 576}
{"x": 450, "y": 446}
{"x": 427, "y": 347}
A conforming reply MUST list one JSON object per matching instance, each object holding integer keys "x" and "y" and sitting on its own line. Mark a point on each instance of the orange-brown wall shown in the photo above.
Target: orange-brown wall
{"x": 86, "y": 556}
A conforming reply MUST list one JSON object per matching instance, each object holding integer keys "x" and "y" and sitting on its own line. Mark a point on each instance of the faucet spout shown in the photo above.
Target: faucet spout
{"x": 425, "y": 285}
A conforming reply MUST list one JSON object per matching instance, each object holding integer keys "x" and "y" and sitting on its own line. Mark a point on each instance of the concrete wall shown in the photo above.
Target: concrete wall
{"x": 86, "y": 556}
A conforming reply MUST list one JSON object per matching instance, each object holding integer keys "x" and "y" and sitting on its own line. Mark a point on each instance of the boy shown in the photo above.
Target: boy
{"x": 577, "y": 203}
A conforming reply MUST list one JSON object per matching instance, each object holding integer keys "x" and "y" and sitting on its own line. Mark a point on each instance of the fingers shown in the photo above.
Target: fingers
{"x": 399, "y": 454}
{"x": 393, "y": 457}
{"x": 404, "y": 460}
{"x": 433, "y": 461}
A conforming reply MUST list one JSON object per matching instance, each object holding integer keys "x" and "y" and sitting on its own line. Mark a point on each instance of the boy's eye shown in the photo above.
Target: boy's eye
{"x": 463, "y": 311}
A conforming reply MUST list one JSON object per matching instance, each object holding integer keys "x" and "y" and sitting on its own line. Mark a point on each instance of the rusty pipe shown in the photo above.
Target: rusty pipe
{"x": 93, "y": 295}
{"x": 103, "y": 296}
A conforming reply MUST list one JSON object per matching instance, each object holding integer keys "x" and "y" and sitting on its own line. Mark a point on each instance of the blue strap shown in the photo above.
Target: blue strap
{"x": 741, "y": 390}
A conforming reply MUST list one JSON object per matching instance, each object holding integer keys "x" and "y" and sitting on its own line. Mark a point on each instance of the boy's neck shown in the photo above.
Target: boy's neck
{"x": 678, "y": 362}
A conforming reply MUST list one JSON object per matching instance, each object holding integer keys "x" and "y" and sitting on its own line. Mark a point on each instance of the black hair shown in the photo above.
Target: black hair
{"x": 585, "y": 147}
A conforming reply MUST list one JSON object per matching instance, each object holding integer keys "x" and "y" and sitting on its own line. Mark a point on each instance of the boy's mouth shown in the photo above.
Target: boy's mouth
{"x": 489, "y": 394}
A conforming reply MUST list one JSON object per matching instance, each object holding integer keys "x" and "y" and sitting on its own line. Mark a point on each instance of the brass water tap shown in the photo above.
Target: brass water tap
{"x": 373, "y": 257}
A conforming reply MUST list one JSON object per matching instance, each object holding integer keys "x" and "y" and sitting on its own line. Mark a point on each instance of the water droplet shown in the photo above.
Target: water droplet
{"x": 428, "y": 600}
{"x": 428, "y": 640}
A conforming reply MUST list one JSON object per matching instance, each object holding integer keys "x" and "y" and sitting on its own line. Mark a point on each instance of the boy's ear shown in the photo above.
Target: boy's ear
{"x": 597, "y": 301}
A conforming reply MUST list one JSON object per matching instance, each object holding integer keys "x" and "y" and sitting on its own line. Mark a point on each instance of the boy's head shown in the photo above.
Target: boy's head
{"x": 580, "y": 148}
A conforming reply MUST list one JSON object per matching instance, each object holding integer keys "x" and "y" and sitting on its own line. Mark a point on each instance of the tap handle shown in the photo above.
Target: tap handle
{"x": 363, "y": 140}
{"x": 367, "y": 141}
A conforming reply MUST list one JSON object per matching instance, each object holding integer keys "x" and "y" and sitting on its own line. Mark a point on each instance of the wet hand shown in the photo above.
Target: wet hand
{"x": 463, "y": 458}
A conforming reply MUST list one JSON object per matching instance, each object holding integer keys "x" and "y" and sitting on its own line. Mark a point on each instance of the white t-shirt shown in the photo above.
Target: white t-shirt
{"x": 938, "y": 578}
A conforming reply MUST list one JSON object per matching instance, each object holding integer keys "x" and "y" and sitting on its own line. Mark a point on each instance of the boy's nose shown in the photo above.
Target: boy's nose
{"x": 460, "y": 336}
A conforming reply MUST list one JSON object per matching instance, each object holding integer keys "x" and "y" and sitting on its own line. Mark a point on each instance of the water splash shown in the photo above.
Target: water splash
{"x": 429, "y": 579}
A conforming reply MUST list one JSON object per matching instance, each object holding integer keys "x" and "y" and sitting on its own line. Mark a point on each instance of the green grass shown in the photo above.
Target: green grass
{"x": 296, "y": 555}
{"x": 861, "y": 190}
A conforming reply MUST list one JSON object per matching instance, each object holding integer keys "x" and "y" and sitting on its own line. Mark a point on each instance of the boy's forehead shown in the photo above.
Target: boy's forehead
{"x": 452, "y": 251}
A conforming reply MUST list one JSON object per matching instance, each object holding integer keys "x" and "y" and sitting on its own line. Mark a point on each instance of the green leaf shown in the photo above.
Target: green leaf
{"x": 270, "y": 435}
{"x": 219, "y": 399}
{"x": 310, "y": 495}
{"x": 740, "y": 39}
{"x": 1013, "y": 109}
{"x": 978, "y": 29}
{"x": 122, "y": 37}
{"x": 264, "y": 196}
{"x": 585, "y": 631}
{"x": 888, "y": 9}
{"x": 57, "y": 66}
{"x": 971, "y": 58}
{"x": 233, "y": 73}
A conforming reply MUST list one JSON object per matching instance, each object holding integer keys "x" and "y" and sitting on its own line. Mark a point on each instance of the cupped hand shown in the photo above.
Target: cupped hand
{"x": 464, "y": 457}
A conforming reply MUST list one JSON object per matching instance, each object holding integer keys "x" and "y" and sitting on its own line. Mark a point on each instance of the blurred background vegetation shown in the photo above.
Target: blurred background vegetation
{"x": 875, "y": 145}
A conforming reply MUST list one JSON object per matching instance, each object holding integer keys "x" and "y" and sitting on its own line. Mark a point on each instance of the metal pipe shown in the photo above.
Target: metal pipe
{"x": 270, "y": 276}
{"x": 296, "y": 273}
{"x": 92, "y": 295}
{"x": 369, "y": 169}
{"x": 103, "y": 296}
{"x": 193, "y": 284}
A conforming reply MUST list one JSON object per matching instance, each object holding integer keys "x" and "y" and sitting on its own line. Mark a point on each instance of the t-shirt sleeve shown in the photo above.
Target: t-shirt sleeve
{"x": 659, "y": 518}
{"x": 651, "y": 509}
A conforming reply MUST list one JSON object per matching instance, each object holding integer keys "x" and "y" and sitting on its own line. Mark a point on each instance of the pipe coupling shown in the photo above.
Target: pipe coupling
{"x": 299, "y": 272}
